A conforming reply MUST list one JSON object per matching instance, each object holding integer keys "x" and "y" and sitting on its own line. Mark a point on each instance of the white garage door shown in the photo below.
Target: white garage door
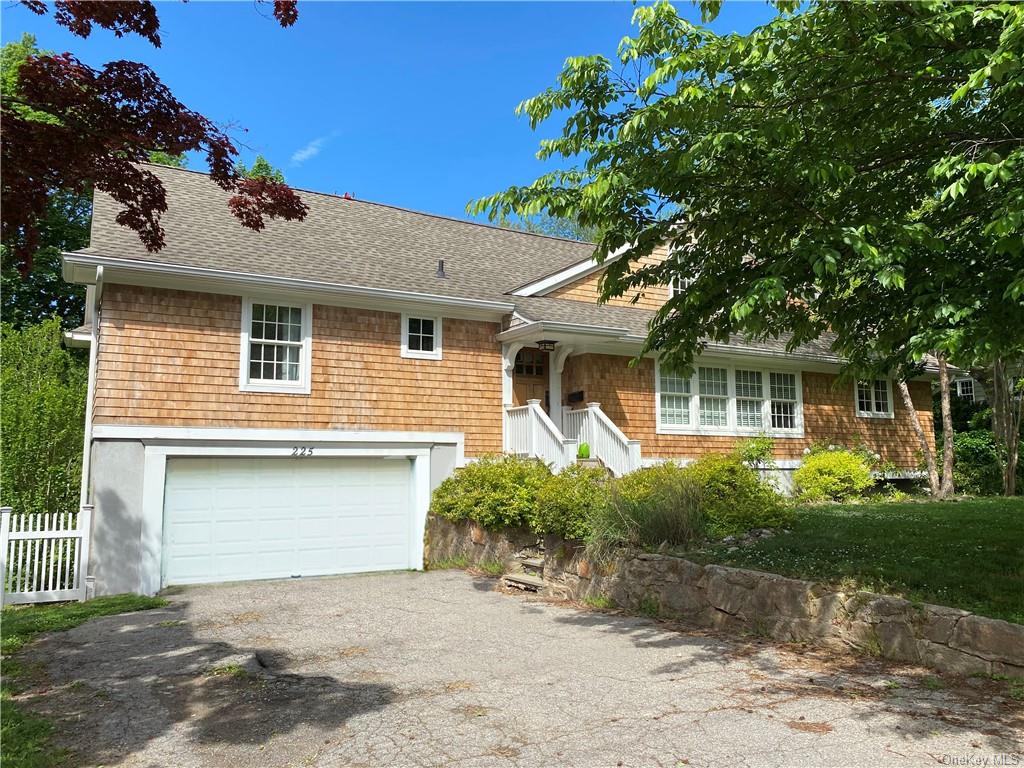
{"x": 266, "y": 518}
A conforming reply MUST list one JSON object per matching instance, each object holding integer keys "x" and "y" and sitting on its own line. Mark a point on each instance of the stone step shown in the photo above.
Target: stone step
{"x": 524, "y": 581}
{"x": 536, "y": 563}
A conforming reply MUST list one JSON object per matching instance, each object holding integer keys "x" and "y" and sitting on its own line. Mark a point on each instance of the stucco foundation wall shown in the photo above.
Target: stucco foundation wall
{"x": 171, "y": 358}
{"x": 740, "y": 600}
{"x": 117, "y": 469}
{"x": 627, "y": 395}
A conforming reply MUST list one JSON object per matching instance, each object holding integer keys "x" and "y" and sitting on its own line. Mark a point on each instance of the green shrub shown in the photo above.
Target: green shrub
{"x": 757, "y": 452}
{"x": 495, "y": 491}
{"x": 976, "y": 463}
{"x": 43, "y": 420}
{"x": 647, "y": 509}
{"x": 566, "y": 502}
{"x": 832, "y": 475}
{"x": 735, "y": 499}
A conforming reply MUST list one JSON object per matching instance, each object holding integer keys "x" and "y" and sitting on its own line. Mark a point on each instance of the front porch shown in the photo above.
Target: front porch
{"x": 544, "y": 417}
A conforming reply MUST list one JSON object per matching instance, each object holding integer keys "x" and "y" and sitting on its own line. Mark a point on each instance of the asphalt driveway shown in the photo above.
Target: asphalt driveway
{"x": 439, "y": 669}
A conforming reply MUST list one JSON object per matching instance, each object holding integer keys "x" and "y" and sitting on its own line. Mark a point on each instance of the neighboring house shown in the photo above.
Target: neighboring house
{"x": 282, "y": 403}
{"x": 968, "y": 389}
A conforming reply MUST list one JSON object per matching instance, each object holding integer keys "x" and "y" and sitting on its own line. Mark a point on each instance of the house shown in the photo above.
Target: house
{"x": 968, "y": 388}
{"x": 282, "y": 403}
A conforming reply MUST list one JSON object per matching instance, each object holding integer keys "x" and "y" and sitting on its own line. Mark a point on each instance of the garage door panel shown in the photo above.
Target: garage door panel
{"x": 233, "y": 519}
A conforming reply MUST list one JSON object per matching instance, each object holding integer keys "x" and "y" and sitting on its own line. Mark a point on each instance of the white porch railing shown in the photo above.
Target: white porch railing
{"x": 43, "y": 557}
{"x": 591, "y": 425}
{"x": 529, "y": 432}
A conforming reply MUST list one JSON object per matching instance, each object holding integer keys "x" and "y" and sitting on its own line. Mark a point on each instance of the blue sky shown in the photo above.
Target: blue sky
{"x": 410, "y": 104}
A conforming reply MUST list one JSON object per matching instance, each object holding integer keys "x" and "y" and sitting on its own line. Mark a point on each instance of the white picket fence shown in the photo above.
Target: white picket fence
{"x": 44, "y": 556}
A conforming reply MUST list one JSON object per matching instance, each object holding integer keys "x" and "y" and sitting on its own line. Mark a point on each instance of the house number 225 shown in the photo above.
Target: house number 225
{"x": 302, "y": 450}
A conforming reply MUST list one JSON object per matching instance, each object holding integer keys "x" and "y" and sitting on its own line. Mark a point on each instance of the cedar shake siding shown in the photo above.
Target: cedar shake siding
{"x": 588, "y": 289}
{"x": 171, "y": 358}
{"x": 627, "y": 396}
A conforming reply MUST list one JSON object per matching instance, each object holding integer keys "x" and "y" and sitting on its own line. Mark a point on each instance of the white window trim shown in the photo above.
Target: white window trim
{"x": 300, "y": 387}
{"x": 731, "y": 429}
{"x": 959, "y": 387}
{"x": 890, "y": 414}
{"x": 416, "y": 354}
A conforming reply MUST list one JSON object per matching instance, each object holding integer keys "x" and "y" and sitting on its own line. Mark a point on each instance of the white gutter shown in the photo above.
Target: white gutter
{"x": 77, "y": 339}
{"x": 568, "y": 275}
{"x": 140, "y": 267}
{"x": 538, "y": 327}
{"x": 717, "y": 346}
{"x": 90, "y": 392}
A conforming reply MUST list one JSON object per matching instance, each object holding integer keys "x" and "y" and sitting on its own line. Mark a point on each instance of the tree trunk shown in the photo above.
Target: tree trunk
{"x": 947, "y": 429}
{"x": 926, "y": 449}
{"x": 1006, "y": 417}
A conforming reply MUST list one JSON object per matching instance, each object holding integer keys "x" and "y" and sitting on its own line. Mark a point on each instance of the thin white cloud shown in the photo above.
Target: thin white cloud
{"x": 309, "y": 151}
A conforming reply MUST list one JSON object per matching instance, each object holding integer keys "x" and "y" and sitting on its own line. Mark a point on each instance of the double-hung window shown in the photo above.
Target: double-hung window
{"x": 421, "y": 337}
{"x": 784, "y": 400}
{"x": 874, "y": 399}
{"x": 749, "y": 399}
{"x": 275, "y": 347}
{"x": 674, "y": 399}
{"x": 726, "y": 400}
{"x": 713, "y": 389}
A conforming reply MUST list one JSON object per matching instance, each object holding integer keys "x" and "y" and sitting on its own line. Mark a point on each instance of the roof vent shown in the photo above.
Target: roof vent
{"x": 349, "y": 196}
{"x": 440, "y": 268}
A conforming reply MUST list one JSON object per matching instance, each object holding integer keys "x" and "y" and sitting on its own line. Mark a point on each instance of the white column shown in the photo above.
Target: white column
{"x": 508, "y": 364}
{"x": 555, "y": 368}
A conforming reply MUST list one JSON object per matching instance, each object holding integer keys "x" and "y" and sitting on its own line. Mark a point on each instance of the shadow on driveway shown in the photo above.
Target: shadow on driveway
{"x": 155, "y": 675}
{"x": 913, "y": 701}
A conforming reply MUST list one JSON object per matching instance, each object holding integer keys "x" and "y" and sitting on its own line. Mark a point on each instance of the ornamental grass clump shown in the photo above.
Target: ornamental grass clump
{"x": 494, "y": 491}
{"x": 648, "y": 509}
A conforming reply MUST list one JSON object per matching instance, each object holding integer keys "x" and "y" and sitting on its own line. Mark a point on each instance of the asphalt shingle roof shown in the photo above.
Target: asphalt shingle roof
{"x": 353, "y": 242}
{"x": 341, "y": 242}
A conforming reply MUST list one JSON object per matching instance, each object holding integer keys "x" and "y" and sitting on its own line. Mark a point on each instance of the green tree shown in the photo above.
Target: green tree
{"x": 42, "y": 293}
{"x": 852, "y": 167}
{"x": 261, "y": 169}
{"x": 165, "y": 158}
{"x": 32, "y": 298}
{"x": 42, "y": 416}
{"x": 543, "y": 224}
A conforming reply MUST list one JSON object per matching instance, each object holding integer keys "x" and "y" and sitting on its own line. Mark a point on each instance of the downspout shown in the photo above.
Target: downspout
{"x": 92, "y": 310}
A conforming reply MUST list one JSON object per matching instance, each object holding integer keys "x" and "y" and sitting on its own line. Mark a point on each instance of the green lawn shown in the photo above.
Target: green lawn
{"x": 965, "y": 554}
{"x": 24, "y": 737}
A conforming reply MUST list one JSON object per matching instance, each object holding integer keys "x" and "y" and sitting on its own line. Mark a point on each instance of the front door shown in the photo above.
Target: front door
{"x": 530, "y": 377}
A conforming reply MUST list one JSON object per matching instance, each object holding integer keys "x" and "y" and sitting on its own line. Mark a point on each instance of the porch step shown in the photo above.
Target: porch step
{"x": 524, "y": 581}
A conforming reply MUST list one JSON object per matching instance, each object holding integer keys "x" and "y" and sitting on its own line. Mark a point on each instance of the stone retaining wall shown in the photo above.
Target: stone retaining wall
{"x": 740, "y": 600}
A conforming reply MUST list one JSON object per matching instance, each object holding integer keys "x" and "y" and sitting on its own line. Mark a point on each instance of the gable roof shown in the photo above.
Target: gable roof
{"x": 341, "y": 242}
{"x": 354, "y": 243}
